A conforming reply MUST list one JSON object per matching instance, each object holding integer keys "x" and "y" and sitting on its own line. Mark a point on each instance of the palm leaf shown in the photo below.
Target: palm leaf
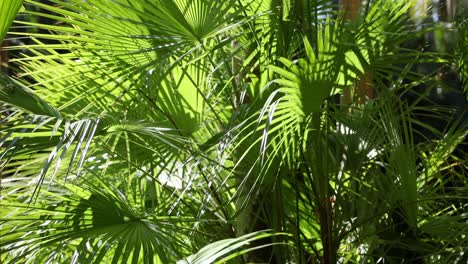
{"x": 99, "y": 221}
{"x": 15, "y": 94}
{"x": 220, "y": 249}
{"x": 8, "y": 12}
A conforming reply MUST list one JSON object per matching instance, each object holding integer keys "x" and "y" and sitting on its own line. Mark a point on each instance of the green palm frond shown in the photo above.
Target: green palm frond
{"x": 218, "y": 251}
{"x": 15, "y": 94}
{"x": 313, "y": 79}
{"x": 8, "y": 12}
{"x": 149, "y": 131}
{"x": 284, "y": 118}
{"x": 182, "y": 29}
{"x": 99, "y": 221}
{"x": 45, "y": 145}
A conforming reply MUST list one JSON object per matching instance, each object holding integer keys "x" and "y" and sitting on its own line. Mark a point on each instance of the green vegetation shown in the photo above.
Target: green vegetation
{"x": 202, "y": 131}
{"x": 8, "y": 11}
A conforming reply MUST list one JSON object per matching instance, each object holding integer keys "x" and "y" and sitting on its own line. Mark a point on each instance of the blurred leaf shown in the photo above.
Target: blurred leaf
{"x": 8, "y": 11}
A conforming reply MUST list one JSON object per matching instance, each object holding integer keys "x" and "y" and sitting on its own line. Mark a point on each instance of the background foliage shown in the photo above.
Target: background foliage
{"x": 198, "y": 131}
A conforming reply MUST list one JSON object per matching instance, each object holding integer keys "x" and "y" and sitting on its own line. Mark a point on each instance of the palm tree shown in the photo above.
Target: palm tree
{"x": 198, "y": 131}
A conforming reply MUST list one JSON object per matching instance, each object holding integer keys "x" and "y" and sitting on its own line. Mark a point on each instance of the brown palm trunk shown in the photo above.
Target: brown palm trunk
{"x": 329, "y": 240}
{"x": 3, "y": 57}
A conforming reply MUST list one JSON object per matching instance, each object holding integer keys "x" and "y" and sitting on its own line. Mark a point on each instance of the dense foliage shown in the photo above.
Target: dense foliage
{"x": 201, "y": 131}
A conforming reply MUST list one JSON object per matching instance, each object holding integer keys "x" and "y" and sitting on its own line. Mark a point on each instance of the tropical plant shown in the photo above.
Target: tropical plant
{"x": 8, "y": 11}
{"x": 199, "y": 131}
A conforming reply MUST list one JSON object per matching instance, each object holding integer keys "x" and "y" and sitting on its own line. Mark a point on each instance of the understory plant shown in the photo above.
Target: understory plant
{"x": 200, "y": 131}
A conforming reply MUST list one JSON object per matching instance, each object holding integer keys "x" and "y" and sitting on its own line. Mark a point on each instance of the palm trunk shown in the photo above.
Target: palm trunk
{"x": 326, "y": 230}
{"x": 3, "y": 57}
